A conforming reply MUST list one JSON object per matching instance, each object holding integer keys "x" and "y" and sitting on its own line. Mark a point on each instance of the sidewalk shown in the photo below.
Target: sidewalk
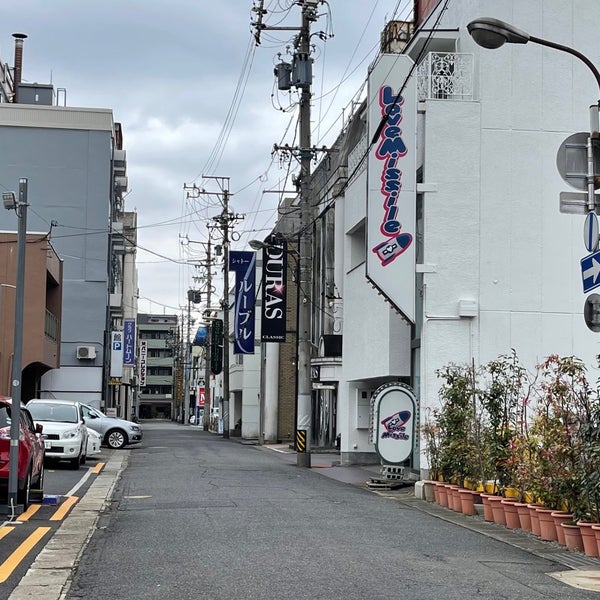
{"x": 583, "y": 572}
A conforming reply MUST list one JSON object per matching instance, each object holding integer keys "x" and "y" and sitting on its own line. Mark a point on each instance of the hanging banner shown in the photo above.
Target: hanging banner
{"x": 116, "y": 354}
{"x": 395, "y": 417}
{"x": 200, "y": 398}
{"x": 128, "y": 342}
{"x": 216, "y": 346}
{"x": 244, "y": 266}
{"x": 391, "y": 174}
{"x": 274, "y": 295}
{"x": 142, "y": 363}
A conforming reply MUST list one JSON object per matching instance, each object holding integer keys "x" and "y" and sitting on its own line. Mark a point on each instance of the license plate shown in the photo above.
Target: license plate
{"x": 48, "y": 445}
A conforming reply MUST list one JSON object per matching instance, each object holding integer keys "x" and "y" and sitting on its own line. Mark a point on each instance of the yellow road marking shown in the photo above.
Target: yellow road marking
{"x": 64, "y": 508}
{"x": 4, "y": 531}
{"x": 13, "y": 561}
{"x": 33, "y": 508}
{"x": 98, "y": 468}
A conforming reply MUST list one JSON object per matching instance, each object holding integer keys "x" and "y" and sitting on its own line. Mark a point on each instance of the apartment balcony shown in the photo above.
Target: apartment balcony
{"x": 445, "y": 76}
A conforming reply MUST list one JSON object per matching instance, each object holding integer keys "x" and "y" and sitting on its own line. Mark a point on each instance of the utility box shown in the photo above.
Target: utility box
{"x": 363, "y": 408}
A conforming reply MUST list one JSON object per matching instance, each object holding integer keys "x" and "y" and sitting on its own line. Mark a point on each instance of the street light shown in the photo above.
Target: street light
{"x": 492, "y": 33}
{"x": 20, "y": 208}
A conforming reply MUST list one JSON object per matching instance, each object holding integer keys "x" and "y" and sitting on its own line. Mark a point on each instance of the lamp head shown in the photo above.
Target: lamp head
{"x": 492, "y": 33}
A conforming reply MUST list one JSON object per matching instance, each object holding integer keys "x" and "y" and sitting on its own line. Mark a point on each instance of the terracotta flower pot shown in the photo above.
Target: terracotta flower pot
{"x": 524, "y": 518}
{"x": 547, "y": 526}
{"x": 573, "y": 539}
{"x": 511, "y": 514}
{"x": 450, "y": 487}
{"x": 443, "y": 494}
{"x": 498, "y": 510}
{"x": 588, "y": 536}
{"x": 436, "y": 491}
{"x": 457, "y": 506}
{"x": 561, "y": 516}
{"x": 467, "y": 501}
{"x": 535, "y": 521}
{"x": 488, "y": 514}
{"x": 596, "y": 530}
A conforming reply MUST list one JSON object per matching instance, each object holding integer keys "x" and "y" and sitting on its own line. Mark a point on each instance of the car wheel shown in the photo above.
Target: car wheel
{"x": 37, "y": 491}
{"x": 75, "y": 462}
{"x": 23, "y": 496}
{"x": 116, "y": 439}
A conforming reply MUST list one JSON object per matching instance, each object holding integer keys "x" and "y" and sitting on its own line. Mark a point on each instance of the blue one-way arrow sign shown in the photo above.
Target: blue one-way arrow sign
{"x": 590, "y": 271}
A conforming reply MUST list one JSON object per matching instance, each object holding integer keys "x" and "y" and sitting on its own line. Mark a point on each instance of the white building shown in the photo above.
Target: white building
{"x": 491, "y": 264}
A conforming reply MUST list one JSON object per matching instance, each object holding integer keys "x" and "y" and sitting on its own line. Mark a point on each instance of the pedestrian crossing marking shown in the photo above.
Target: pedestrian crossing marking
{"x": 13, "y": 561}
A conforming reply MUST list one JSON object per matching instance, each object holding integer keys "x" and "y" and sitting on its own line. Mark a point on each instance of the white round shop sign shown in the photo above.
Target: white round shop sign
{"x": 395, "y": 412}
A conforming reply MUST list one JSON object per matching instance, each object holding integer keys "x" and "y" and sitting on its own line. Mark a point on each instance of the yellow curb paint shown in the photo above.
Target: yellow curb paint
{"x": 13, "y": 561}
{"x": 98, "y": 468}
{"x": 64, "y": 508}
{"x": 4, "y": 531}
{"x": 33, "y": 508}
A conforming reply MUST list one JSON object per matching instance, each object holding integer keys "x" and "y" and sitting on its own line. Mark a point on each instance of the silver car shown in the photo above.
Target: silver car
{"x": 116, "y": 433}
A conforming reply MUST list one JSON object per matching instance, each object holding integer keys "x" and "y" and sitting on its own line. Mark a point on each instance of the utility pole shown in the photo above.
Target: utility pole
{"x": 225, "y": 222}
{"x": 207, "y": 398}
{"x": 299, "y": 75}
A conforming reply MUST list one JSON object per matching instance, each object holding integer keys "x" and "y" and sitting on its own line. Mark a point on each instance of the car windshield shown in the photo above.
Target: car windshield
{"x": 58, "y": 413}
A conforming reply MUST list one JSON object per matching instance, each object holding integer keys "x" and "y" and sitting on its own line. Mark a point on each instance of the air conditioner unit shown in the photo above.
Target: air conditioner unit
{"x": 86, "y": 352}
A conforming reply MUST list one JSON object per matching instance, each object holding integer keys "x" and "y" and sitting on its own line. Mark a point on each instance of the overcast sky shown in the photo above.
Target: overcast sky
{"x": 195, "y": 96}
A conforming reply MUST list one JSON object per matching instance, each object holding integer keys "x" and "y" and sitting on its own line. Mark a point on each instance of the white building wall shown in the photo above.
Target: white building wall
{"x": 493, "y": 230}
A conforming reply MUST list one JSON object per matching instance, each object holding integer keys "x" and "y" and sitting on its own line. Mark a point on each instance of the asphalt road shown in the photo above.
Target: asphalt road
{"x": 195, "y": 516}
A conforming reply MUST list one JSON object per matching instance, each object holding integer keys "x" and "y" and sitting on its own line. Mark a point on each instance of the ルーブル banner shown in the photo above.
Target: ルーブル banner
{"x": 244, "y": 266}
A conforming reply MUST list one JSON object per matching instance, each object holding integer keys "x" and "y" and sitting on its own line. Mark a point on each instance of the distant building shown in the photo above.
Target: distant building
{"x": 74, "y": 162}
{"x": 164, "y": 376}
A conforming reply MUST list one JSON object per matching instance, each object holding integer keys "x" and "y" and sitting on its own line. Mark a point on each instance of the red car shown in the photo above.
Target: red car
{"x": 31, "y": 455}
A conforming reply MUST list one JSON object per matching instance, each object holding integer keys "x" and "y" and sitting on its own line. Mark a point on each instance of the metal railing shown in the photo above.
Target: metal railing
{"x": 445, "y": 76}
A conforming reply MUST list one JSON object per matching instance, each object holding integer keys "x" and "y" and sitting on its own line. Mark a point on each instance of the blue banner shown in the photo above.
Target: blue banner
{"x": 129, "y": 342}
{"x": 244, "y": 266}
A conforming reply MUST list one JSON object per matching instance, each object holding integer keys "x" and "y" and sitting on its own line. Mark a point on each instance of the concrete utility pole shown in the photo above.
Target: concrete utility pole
{"x": 207, "y": 394}
{"x": 225, "y": 222}
{"x": 299, "y": 75}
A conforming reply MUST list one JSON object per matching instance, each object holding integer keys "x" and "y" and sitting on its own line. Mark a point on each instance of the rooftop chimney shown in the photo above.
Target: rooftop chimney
{"x": 19, "y": 37}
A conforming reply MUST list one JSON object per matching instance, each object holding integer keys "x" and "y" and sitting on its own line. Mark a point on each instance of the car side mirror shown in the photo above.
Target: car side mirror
{"x": 39, "y": 428}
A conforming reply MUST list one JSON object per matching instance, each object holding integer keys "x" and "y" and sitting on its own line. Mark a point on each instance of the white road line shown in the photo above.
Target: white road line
{"x": 72, "y": 491}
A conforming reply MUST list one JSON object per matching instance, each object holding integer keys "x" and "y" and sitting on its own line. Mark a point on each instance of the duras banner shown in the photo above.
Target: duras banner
{"x": 391, "y": 204}
{"x": 128, "y": 342}
{"x": 274, "y": 298}
{"x": 394, "y": 408}
{"x": 244, "y": 265}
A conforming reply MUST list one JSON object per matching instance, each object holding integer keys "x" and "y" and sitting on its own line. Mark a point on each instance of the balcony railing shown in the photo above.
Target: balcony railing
{"x": 445, "y": 76}
{"x": 51, "y": 326}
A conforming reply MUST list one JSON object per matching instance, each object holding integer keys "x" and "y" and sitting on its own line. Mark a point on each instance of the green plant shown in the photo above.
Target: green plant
{"x": 459, "y": 438}
{"x": 503, "y": 403}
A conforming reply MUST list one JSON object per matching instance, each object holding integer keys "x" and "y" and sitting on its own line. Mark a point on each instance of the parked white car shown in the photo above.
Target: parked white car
{"x": 64, "y": 431}
{"x": 94, "y": 442}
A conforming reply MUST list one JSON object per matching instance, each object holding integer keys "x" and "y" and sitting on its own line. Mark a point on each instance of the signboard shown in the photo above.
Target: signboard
{"x": 391, "y": 199}
{"x": 395, "y": 422}
{"x": 572, "y": 160}
{"x": 142, "y": 363}
{"x": 274, "y": 275}
{"x": 116, "y": 354}
{"x": 590, "y": 271}
{"x": 590, "y": 232}
{"x": 216, "y": 346}
{"x": 244, "y": 265}
{"x": 200, "y": 398}
{"x": 129, "y": 342}
{"x": 591, "y": 312}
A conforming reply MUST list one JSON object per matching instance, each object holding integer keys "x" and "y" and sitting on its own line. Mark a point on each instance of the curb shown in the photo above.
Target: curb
{"x": 50, "y": 575}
